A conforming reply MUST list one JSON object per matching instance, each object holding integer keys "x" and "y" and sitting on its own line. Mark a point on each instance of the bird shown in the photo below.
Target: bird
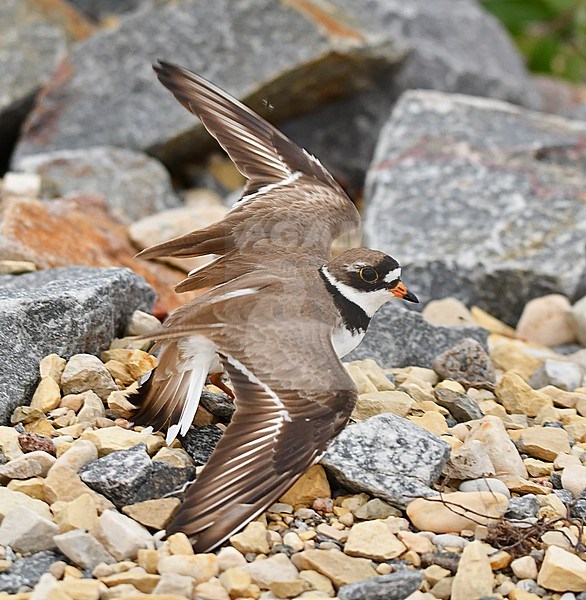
{"x": 278, "y": 314}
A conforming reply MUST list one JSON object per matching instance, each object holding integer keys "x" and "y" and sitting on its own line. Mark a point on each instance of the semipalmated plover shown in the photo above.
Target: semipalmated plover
{"x": 280, "y": 314}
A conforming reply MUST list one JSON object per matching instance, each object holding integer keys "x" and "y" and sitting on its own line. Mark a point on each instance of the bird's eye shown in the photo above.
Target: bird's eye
{"x": 368, "y": 274}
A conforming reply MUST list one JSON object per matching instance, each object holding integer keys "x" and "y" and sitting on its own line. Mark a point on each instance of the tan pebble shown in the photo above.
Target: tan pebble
{"x": 416, "y": 542}
{"x": 229, "y": 557}
{"x": 517, "y": 594}
{"x": 81, "y": 452}
{"x": 443, "y": 588}
{"x": 500, "y": 560}
{"x": 375, "y": 403}
{"x": 374, "y": 540}
{"x": 148, "y": 559}
{"x": 290, "y": 589}
{"x": 517, "y": 396}
{"x": 434, "y": 573}
{"x": 564, "y": 538}
{"x": 65, "y": 484}
{"x": 538, "y": 468}
{"x": 235, "y": 581}
{"x": 353, "y": 502}
{"x": 438, "y": 514}
{"x": 307, "y": 535}
{"x": 474, "y": 576}
{"x": 47, "y": 396}
{"x": 9, "y": 445}
{"x": 80, "y": 513}
{"x": 52, "y": 366}
{"x": 199, "y": 566}
{"x": 211, "y": 590}
{"x": 547, "y": 321}
{"x": 363, "y": 383}
{"x": 544, "y": 442}
{"x": 111, "y": 439}
{"x": 141, "y": 580}
{"x": 318, "y": 581}
{"x": 524, "y": 567}
{"x": 155, "y": 514}
{"x": 313, "y": 484}
{"x": 339, "y": 568}
{"x": 33, "y": 487}
{"x": 332, "y": 532}
{"x": 562, "y": 571}
{"x": 375, "y": 373}
{"x": 432, "y": 421}
{"x": 122, "y": 537}
{"x": 525, "y": 486}
{"x": 552, "y": 507}
{"x": 252, "y": 539}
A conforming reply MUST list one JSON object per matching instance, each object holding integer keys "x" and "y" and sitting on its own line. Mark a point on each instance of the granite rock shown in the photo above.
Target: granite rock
{"x": 218, "y": 404}
{"x": 199, "y": 443}
{"x": 461, "y": 407}
{"x": 133, "y": 184}
{"x": 27, "y": 571}
{"x": 497, "y": 189}
{"x": 399, "y": 337}
{"x": 523, "y": 507}
{"x": 394, "y": 586}
{"x": 229, "y": 42}
{"x": 63, "y": 311}
{"x": 98, "y": 10}
{"x": 389, "y": 457}
{"x": 467, "y": 363}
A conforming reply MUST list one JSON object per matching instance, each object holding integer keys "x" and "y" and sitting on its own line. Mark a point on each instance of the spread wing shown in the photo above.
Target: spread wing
{"x": 290, "y": 202}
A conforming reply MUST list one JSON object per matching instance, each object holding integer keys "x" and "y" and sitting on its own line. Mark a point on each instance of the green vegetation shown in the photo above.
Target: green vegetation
{"x": 551, "y": 34}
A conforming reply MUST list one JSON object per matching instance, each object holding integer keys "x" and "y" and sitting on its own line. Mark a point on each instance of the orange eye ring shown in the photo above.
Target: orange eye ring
{"x": 368, "y": 274}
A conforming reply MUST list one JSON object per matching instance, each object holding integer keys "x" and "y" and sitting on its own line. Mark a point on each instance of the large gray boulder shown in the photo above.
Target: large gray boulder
{"x": 33, "y": 39}
{"x": 388, "y": 457}
{"x": 68, "y": 310}
{"x": 399, "y": 337}
{"x": 451, "y": 45}
{"x": 133, "y": 184}
{"x": 277, "y": 56}
{"x": 480, "y": 200}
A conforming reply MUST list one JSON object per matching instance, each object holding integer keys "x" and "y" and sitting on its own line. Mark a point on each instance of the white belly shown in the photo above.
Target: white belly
{"x": 344, "y": 340}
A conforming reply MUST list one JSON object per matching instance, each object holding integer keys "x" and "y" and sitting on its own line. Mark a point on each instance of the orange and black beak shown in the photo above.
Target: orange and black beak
{"x": 400, "y": 291}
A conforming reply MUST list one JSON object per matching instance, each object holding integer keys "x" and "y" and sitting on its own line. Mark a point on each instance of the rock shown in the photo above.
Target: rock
{"x": 82, "y": 549}
{"x": 26, "y": 531}
{"x": 544, "y": 442}
{"x": 456, "y": 148}
{"x": 85, "y": 372}
{"x": 47, "y": 396}
{"x": 469, "y": 461}
{"x": 375, "y": 403}
{"x": 122, "y": 537}
{"x": 538, "y": 468}
{"x": 574, "y": 479}
{"x": 341, "y": 61}
{"x": 142, "y": 323}
{"x": 474, "y": 578}
{"x": 311, "y": 485}
{"x": 520, "y": 398}
{"x": 155, "y": 514}
{"x": 33, "y": 464}
{"x": 432, "y": 421}
{"x": 375, "y": 509}
{"x": 169, "y": 224}
{"x": 27, "y": 571}
{"x": 388, "y": 457}
{"x": 133, "y": 184}
{"x": 374, "y": 373}
{"x": 211, "y": 590}
{"x": 252, "y": 539}
{"x": 92, "y": 408}
{"x": 398, "y": 337}
{"x": 199, "y": 566}
{"x": 101, "y": 241}
{"x": 275, "y": 568}
{"x": 547, "y": 321}
{"x": 461, "y": 407}
{"x": 463, "y": 68}
{"x": 79, "y": 454}
{"x": 218, "y": 405}
{"x": 200, "y": 442}
{"x": 32, "y": 42}
{"x": 119, "y": 475}
{"x": 486, "y": 484}
{"x": 88, "y": 307}
{"x": 394, "y": 586}
{"x": 112, "y": 439}
{"x": 503, "y": 454}
{"x": 171, "y": 583}
{"x": 456, "y": 511}
{"x": 524, "y": 507}
{"x": 26, "y": 185}
{"x": 505, "y": 353}
{"x": 80, "y": 513}
{"x": 524, "y": 567}
{"x": 9, "y": 443}
{"x": 340, "y": 569}
{"x": 467, "y": 362}
{"x": 375, "y": 540}
{"x": 562, "y": 571}
{"x": 448, "y": 312}
{"x": 10, "y": 501}
{"x": 563, "y": 375}
{"x": 578, "y": 316}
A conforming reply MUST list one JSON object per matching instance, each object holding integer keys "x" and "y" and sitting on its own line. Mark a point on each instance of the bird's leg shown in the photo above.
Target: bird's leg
{"x": 216, "y": 379}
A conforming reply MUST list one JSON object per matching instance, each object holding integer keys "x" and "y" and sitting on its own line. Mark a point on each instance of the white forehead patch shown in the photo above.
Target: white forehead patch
{"x": 394, "y": 274}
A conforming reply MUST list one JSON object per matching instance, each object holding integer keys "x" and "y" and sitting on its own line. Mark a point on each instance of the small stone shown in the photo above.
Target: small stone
{"x": 34, "y": 487}
{"x": 229, "y": 557}
{"x": 562, "y": 538}
{"x": 574, "y": 479}
{"x": 500, "y": 560}
{"x": 80, "y": 513}
{"x": 376, "y": 509}
{"x": 374, "y": 540}
{"x": 461, "y": 407}
{"x": 375, "y": 403}
{"x": 416, "y": 542}
{"x": 52, "y": 366}
{"x": 85, "y": 372}
{"x": 9, "y": 443}
{"x": 332, "y": 533}
{"x": 155, "y": 514}
{"x": 538, "y": 468}
{"x": 91, "y": 409}
{"x": 469, "y": 461}
{"x": 438, "y": 514}
{"x": 376, "y": 374}
{"x": 122, "y": 537}
{"x": 10, "y": 500}
{"x": 16, "y": 267}
{"x": 179, "y": 544}
{"x": 111, "y": 439}
{"x": 485, "y": 485}
{"x": 80, "y": 589}
{"x": 318, "y": 582}
{"x": 564, "y": 375}
{"x": 172, "y": 583}
{"x": 211, "y": 590}
{"x": 148, "y": 559}
{"x": 252, "y": 539}
{"x": 562, "y": 571}
{"x": 520, "y": 398}
{"x": 33, "y": 464}
{"x": 524, "y": 486}
{"x": 79, "y": 454}
{"x": 394, "y": 586}
{"x": 144, "y": 582}
{"x": 292, "y": 589}
{"x": 525, "y": 567}
{"x": 467, "y": 363}
{"x": 142, "y": 323}
{"x": 432, "y": 421}
{"x": 47, "y": 396}
{"x": 26, "y": 531}
{"x": 82, "y": 549}
{"x": 474, "y": 578}
{"x": 311, "y": 485}
{"x": 339, "y": 568}
{"x": 236, "y": 581}
{"x": 63, "y": 483}
{"x": 502, "y": 452}
{"x": 551, "y": 507}
{"x": 199, "y": 566}
{"x": 524, "y": 507}
{"x": 447, "y": 312}
{"x": 544, "y": 442}
{"x": 546, "y": 321}
{"x": 363, "y": 383}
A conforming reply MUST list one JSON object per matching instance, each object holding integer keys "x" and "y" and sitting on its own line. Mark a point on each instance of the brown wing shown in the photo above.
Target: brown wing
{"x": 275, "y": 435}
{"x": 291, "y": 203}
